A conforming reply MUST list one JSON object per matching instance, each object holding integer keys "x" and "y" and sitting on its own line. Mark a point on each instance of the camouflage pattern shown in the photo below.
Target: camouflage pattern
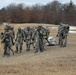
{"x": 19, "y": 40}
{"x": 63, "y": 32}
{"x": 38, "y": 39}
{"x": 7, "y": 44}
{"x": 28, "y": 35}
{"x": 58, "y": 33}
{"x": 46, "y": 32}
{"x": 37, "y": 36}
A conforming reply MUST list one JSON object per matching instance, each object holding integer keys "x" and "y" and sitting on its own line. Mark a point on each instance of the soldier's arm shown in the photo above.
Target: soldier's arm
{"x": 24, "y": 33}
{"x": 11, "y": 39}
{"x": 16, "y": 36}
{"x": 3, "y": 40}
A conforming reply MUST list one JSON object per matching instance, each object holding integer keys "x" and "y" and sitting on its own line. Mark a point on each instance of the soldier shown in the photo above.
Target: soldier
{"x": 33, "y": 29}
{"x": 46, "y": 33}
{"x": 58, "y": 33}
{"x": 28, "y": 35}
{"x": 63, "y": 36}
{"x": 38, "y": 40}
{"x": 19, "y": 40}
{"x": 7, "y": 46}
{"x": 7, "y": 30}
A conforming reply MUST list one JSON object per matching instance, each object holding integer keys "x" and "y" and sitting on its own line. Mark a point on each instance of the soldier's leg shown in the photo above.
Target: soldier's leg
{"x": 8, "y": 51}
{"x": 44, "y": 44}
{"x": 36, "y": 47}
{"x": 5, "y": 50}
{"x": 65, "y": 41}
{"x": 20, "y": 48}
{"x": 61, "y": 42}
{"x": 28, "y": 45}
{"x": 41, "y": 45}
{"x": 29, "y": 41}
{"x": 33, "y": 44}
{"x": 16, "y": 49}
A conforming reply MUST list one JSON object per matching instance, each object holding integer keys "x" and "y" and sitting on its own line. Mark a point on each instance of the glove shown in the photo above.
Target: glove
{"x": 57, "y": 35}
{"x": 2, "y": 42}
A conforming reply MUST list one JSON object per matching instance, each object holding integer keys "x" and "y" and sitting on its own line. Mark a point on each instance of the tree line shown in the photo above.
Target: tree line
{"x": 52, "y": 13}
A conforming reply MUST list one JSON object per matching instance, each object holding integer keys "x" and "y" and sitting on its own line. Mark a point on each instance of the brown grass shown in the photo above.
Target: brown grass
{"x": 54, "y": 61}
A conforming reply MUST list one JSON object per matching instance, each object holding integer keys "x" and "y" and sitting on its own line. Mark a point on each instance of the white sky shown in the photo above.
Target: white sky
{"x": 4, "y": 3}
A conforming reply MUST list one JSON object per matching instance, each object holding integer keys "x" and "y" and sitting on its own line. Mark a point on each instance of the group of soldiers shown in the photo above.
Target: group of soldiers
{"x": 35, "y": 36}
{"x": 62, "y": 34}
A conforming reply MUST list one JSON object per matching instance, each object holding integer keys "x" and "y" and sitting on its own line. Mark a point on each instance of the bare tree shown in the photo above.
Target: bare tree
{"x": 53, "y": 12}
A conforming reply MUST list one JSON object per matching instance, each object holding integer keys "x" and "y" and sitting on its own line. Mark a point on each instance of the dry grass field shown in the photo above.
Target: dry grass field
{"x": 54, "y": 61}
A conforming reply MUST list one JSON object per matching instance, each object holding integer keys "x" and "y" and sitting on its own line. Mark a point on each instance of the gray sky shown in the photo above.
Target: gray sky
{"x": 4, "y": 3}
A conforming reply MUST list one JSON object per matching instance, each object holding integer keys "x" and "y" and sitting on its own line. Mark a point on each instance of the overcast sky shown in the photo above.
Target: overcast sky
{"x": 4, "y": 3}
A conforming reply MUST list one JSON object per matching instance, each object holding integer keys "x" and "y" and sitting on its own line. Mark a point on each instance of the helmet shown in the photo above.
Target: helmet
{"x": 19, "y": 29}
{"x": 7, "y": 28}
{"x": 28, "y": 28}
{"x": 39, "y": 27}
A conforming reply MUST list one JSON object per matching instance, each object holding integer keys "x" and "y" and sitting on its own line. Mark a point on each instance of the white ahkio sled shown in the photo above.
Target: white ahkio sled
{"x": 51, "y": 41}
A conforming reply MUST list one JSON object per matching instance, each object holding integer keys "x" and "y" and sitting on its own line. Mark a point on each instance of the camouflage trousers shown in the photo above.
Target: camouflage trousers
{"x": 6, "y": 50}
{"x": 63, "y": 41}
{"x": 19, "y": 48}
{"x": 28, "y": 43}
{"x": 39, "y": 45}
{"x": 19, "y": 43}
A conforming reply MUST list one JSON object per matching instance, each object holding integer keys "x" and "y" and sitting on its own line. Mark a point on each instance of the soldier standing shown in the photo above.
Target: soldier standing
{"x": 65, "y": 33}
{"x": 63, "y": 36}
{"x": 58, "y": 33}
{"x": 38, "y": 39}
{"x": 28, "y": 35}
{"x": 19, "y": 40}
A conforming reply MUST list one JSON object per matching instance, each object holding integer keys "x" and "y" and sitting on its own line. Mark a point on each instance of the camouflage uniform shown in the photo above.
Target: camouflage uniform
{"x": 7, "y": 40}
{"x": 19, "y": 40}
{"x": 10, "y": 31}
{"x": 46, "y": 30}
{"x": 28, "y": 35}
{"x": 38, "y": 39}
{"x": 63, "y": 36}
{"x": 46, "y": 33}
{"x": 58, "y": 34}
